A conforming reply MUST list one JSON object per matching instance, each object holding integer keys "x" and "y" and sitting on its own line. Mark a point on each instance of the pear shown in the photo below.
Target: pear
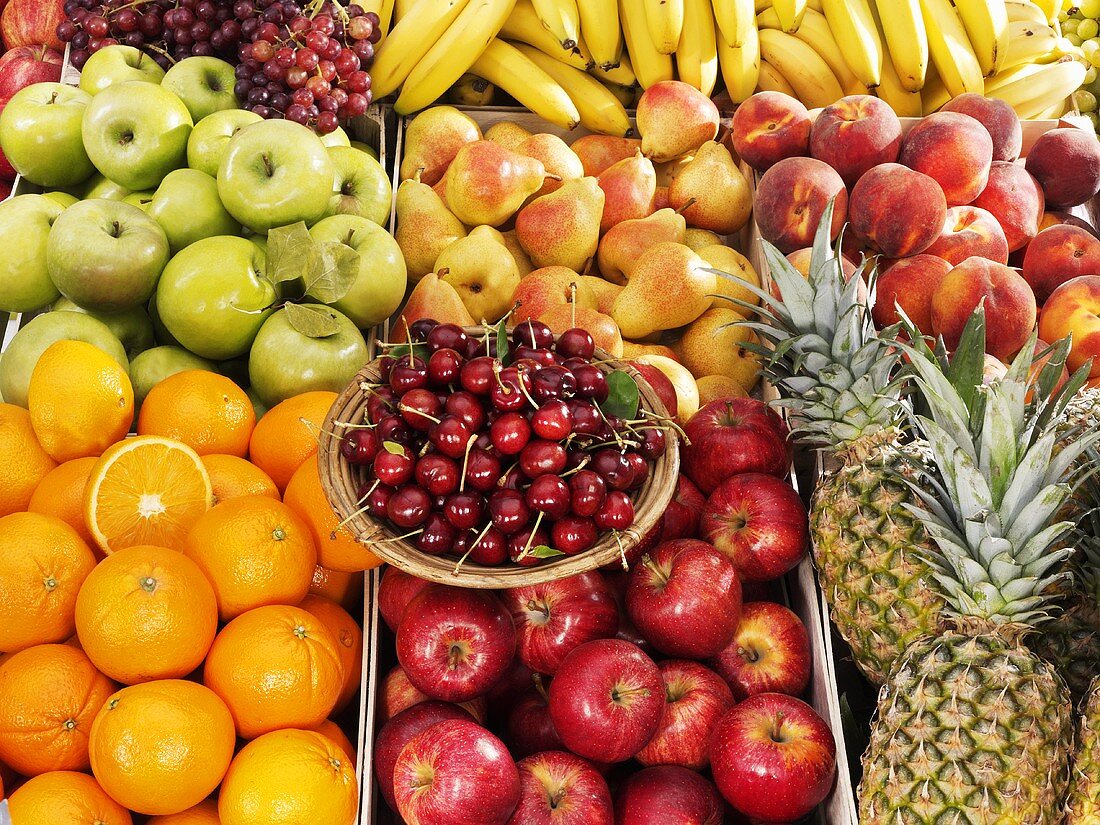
{"x": 721, "y": 195}
{"x": 629, "y": 187}
{"x": 548, "y": 287}
{"x": 687, "y": 391}
{"x": 487, "y": 183}
{"x": 482, "y": 271}
{"x": 432, "y": 139}
{"x": 602, "y": 328}
{"x": 714, "y": 344}
{"x": 425, "y": 227}
{"x": 523, "y": 263}
{"x": 668, "y": 172}
{"x": 563, "y": 228}
{"x": 738, "y": 268}
{"x": 632, "y": 350}
{"x": 507, "y": 133}
{"x": 669, "y": 286}
{"x": 718, "y": 388}
{"x": 432, "y": 298}
{"x": 557, "y": 158}
{"x": 600, "y": 152}
{"x": 700, "y": 238}
{"x": 625, "y": 242}
{"x": 660, "y": 198}
{"x": 605, "y": 292}
{"x": 674, "y": 119}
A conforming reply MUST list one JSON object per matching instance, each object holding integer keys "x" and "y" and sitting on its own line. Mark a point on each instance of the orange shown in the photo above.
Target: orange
{"x": 49, "y": 696}
{"x": 146, "y": 613}
{"x": 61, "y": 494}
{"x": 205, "y": 813}
{"x": 65, "y": 798}
{"x": 350, "y": 637}
{"x": 287, "y": 434}
{"x": 43, "y": 562}
{"x": 233, "y": 477}
{"x": 343, "y": 588}
{"x": 341, "y": 551}
{"x": 25, "y": 462}
{"x": 255, "y": 551}
{"x": 161, "y": 747}
{"x": 80, "y": 399}
{"x": 204, "y": 410}
{"x": 146, "y": 490}
{"x": 289, "y": 777}
{"x": 336, "y": 734}
{"x": 275, "y": 667}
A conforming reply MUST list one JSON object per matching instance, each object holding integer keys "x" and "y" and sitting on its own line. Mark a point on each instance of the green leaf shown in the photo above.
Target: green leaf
{"x": 291, "y": 252}
{"x": 544, "y": 552}
{"x": 503, "y": 354}
{"x": 393, "y": 448}
{"x": 965, "y": 370}
{"x": 419, "y": 350}
{"x": 338, "y": 269}
{"x": 622, "y": 395}
{"x": 311, "y": 321}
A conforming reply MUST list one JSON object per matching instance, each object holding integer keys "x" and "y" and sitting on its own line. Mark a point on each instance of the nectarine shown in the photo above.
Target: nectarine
{"x": 1016, "y": 200}
{"x": 999, "y": 119}
{"x": 898, "y": 211}
{"x": 769, "y": 127}
{"x": 955, "y": 150}
{"x": 969, "y": 231}
{"x": 1057, "y": 255}
{"x": 792, "y": 196}
{"x": 1009, "y": 305}
{"x": 1074, "y": 308}
{"x": 1066, "y": 162}
{"x": 855, "y": 134}
{"x": 909, "y": 283}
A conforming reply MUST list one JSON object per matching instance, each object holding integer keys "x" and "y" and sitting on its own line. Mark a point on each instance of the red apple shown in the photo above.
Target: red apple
{"x": 683, "y": 512}
{"x": 558, "y": 788}
{"x": 397, "y": 732}
{"x": 7, "y": 171}
{"x": 735, "y": 435}
{"x": 617, "y": 580}
{"x": 773, "y": 758}
{"x": 667, "y": 794}
{"x": 398, "y": 693}
{"x": 660, "y": 384}
{"x": 695, "y": 699}
{"x": 769, "y": 654}
{"x": 759, "y": 522}
{"x": 5, "y": 187}
{"x": 32, "y": 22}
{"x": 395, "y": 591}
{"x": 24, "y": 65}
{"x": 530, "y": 728}
{"x": 606, "y": 700}
{"x": 455, "y": 644}
{"x": 455, "y": 773}
{"x": 515, "y": 682}
{"x": 685, "y": 598}
{"x": 554, "y": 617}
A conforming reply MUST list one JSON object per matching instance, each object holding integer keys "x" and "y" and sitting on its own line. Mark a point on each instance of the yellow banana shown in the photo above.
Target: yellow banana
{"x": 524, "y": 25}
{"x": 471, "y": 90}
{"x": 904, "y": 102}
{"x": 697, "y": 54}
{"x": 740, "y": 66}
{"x": 453, "y": 54}
{"x": 951, "y": 51}
{"x": 853, "y": 26}
{"x": 416, "y": 32}
{"x": 802, "y": 67}
{"x": 512, "y": 70}
{"x": 934, "y": 94}
{"x": 902, "y": 27}
{"x": 735, "y": 18}
{"x": 402, "y": 7}
{"x": 789, "y": 13}
{"x": 1050, "y": 8}
{"x": 665, "y": 21}
{"x": 1025, "y": 11}
{"x": 650, "y": 66}
{"x": 562, "y": 18}
{"x": 601, "y": 31}
{"x": 1029, "y": 43}
{"x": 760, "y": 5}
{"x": 986, "y": 24}
{"x": 1032, "y": 94}
{"x": 815, "y": 32}
{"x": 624, "y": 94}
{"x": 773, "y": 81}
{"x": 621, "y": 75}
{"x": 600, "y": 110}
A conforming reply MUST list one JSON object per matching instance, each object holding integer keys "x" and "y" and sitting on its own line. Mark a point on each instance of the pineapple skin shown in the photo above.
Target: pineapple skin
{"x": 1084, "y": 792}
{"x": 881, "y": 596}
{"x": 972, "y": 728}
{"x": 1071, "y": 639}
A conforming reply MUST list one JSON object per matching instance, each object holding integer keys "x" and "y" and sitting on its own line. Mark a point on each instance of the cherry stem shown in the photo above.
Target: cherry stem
{"x": 527, "y": 547}
{"x": 365, "y": 496}
{"x": 584, "y": 462}
{"x": 466, "y": 555}
{"x": 397, "y": 538}
{"x": 680, "y": 430}
{"x": 358, "y": 512}
{"x": 540, "y": 686}
{"x": 622, "y": 550}
{"x": 573, "y": 303}
{"x": 407, "y": 408}
{"x": 465, "y": 462}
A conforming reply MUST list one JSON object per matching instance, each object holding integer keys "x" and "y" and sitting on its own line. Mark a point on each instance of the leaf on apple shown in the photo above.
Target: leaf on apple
{"x": 544, "y": 552}
{"x": 291, "y": 252}
{"x": 311, "y": 321}
{"x": 335, "y": 271}
{"x": 622, "y": 395}
{"x": 503, "y": 353}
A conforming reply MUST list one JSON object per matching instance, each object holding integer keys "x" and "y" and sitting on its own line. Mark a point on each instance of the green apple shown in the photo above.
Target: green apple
{"x": 160, "y": 332}
{"x": 284, "y": 362}
{"x": 361, "y": 186}
{"x": 377, "y": 290}
{"x": 260, "y": 241}
{"x": 204, "y": 84}
{"x": 35, "y": 338}
{"x": 275, "y": 173}
{"x": 63, "y": 198}
{"x": 106, "y": 255}
{"x": 25, "y": 222}
{"x": 131, "y": 326}
{"x": 154, "y": 365}
{"x": 213, "y": 297}
{"x": 337, "y": 137}
{"x": 142, "y": 200}
{"x": 211, "y": 135}
{"x": 188, "y": 208}
{"x": 40, "y": 133}
{"x": 118, "y": 64}
{"x": 363, "y": 147}
{"x": 136, "y": 133}
{"x": 99, "y": 188}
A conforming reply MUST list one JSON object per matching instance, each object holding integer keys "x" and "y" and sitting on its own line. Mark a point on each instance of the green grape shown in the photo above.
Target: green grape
{"x": 1086, "y": 101}
{"x": 1090, "y": 8}
{"x": 1088, "y": 29}
{"x": 1062, "y": 17}
{"x": 1074, "y": 39}
{"x": 1089, "y": 48}
{"x": 1090, "y": 78}
{"x": 1095, "y": 121}
{"x": 1069, "y": 27}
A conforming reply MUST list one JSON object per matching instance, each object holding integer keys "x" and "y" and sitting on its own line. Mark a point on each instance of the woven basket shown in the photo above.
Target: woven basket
{"x": 341, "y": 482}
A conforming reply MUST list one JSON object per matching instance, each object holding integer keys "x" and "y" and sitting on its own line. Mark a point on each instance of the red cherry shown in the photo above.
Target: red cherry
{"x": 482, "y": 470}
{"x": 393, "y": 469}
{"x": 526, "y": 539}
{"x": 444, "y": 366}
{"x": 476, "y": 375}
{"x": 540, "y": 457}
{"x": 381, "y": 402}
{"x": 405, "y": 376}
{"x": 408, "y": 506}
{"x": 437, "y": 537}
{"x": 508, "y": 510}
{"x": 450, "y": 436}
{"x": 492, "y": 549}
{"x": 586, "y": 418}
{"x": 463, "y": 510}
{"x": 613, "y": 467}
{"x": 360, "y": 446}
{"x": 418, "y": 407}
{"x": 553, "y": 382}
{"x": 448, "y": 336}
{"x": 552, "y": 420}
{"x": 573, "y": 535}
{"x": 378, "y": 499}
{"x": 421, "y": 328}
{"x": 437, "y": 474}
{"x": 393, "y": 428}
{"x": 466, "y": 406}
{"x": 510, "y": 433}
{"x": 653, "y": 443}
{"x": 549, "y": 494}
{"x": 591, "y": 382}
{"x": 587, "y": 492}
{"x": 533, "y": 334}
{"x": 639, "y": 469}
{"x": 576, "y": 343}
{"x": 616, "y": 512}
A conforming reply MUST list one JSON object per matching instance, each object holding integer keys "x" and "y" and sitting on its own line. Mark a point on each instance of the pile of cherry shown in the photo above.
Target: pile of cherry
{"x": 498, "y": 449}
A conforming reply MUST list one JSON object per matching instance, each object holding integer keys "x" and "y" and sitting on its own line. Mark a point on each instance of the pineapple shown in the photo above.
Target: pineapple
{"x": 973, "y": 727}
{"x": 1084, "y": 792}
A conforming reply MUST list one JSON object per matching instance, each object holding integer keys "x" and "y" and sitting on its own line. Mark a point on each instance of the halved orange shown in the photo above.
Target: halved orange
{"x": 146, "y": 490}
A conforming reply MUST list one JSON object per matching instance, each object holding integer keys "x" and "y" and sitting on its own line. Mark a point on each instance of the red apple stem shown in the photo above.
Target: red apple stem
{"x": 466, "y": 461}
{"x": 777, "y": 729}
{"x": 655, "y": 569}
{"x": 540, "y": 686}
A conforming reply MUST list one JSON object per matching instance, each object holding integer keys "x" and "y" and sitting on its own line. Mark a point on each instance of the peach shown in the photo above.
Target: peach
{"x": 969, "y": 231}
{"x": 1074, "y": 308}
{"x": 998, "y": 118}
{"x": 1016, "y": 200}
{"x": 800, "y": 260}
{"x": 955, "y": 150}
{"x": 855, "y": 134}
{"x": 910, "y": 283}
{"x": 898, "y": 211}
{"x": 769, "y": 127}
{"x": 1057, "y": 255}
{"x": 600, "y": 152}
{"x": 1054, "y": 217}
{"x": 602, "y": 328}
{"x": 1009, "y": 305}
{"x": 791, "y": 198}
{"x": 1066, "y": 162}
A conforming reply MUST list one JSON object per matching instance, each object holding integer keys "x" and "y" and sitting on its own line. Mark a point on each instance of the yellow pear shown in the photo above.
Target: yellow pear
{"x": 507, "y": 133}
{"x": 700, "y": 238}
{"x": 557, "y": 158}
{"x": 563, "y": 228}
{"x": 425, "y": 227}
{"x": 713, "y": 344}
{"x": 432, "y": 298}
{"x": 487, "y": 183}
{"x": 711, "y": 191}
{"x": 630, "y": 187}
{"x": 604, "y": 291}
{"x": 717, "y": 388}
{"x": 669, "y": 286}
{"x": 733, "y": 263}
{"x": 523, "y": 263}
{"x": 432, "y": 139}
{"x": 687, "y": 393}
{"x": 483, "y": 272}
{"x": 626, "y": 241}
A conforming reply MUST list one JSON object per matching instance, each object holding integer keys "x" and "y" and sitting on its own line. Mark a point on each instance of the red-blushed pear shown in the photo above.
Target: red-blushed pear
{"x": 759, "y": 522}
{"x": 717, "y": 343}
{"x": 397, "y": 693}
{"x": 675, "y": 119}
{"x": 487, "y": 184}
{"x": 395, "y": 591}
{"x": 558, "y": 788}
{"x": 603, "y": 329}
{"x": 773, "y": 758}
{"x": 629, "y": 187}
{"x": 735, "y": 435}
{"x": 711, "y": 192}
{"x": 665, "y": 794}
{"x": 605, "y": 293}
{"x": 625, "y": 242}
{"x": 432, "y": 139}
{"x": 425, "y": 227}
{"x": 770, "y": 653}
{"x": 561, "y": 162}
{"x": 695, "y": 699}
{"x": 683, "y": 511}
{"x": 563, "y": 228}
{"x": 432, "y": 298}
{"x": 685, "y": 598}
{"x": 508, "y": 134}
{"x": 455, "y": 773}
{"x": 529, "y": 726}
{"x": 397, "y": 732}
{"x": 668, "y": 286}
{"x": 606, "y": 700}
{"x": 600, "y": 152}
{"x": 551, "y": 286}
{"x": 23, "y": 65}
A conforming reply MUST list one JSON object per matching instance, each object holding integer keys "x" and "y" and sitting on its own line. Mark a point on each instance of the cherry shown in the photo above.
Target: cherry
{"x": 613, "y": 466}
{"x": 418, "y": 408}
{"x": 573, "y": 535}
{"x": 444, "y": 365}
{"x": 463, "y": 510}
{"x": 475, "y": 348}
{"x": 420, "y": 329}
{"x": 508, "y": 510}
{"x": 385, "y": 364}
{"x": 552, "y": 420}
{"x": 506, "y": 393}
{"x": 540, "y": 457}
{"x": 407, "y": 376}
{"x": 639, "y": 469}
{"x": 616, "y": 512}
{"x": 533, "y": 334}
{"x": 476, "y": 375}
{"x": 437, "y": 537}
{"x": 437, "y": 474}
{"x": 492, "y": 549}
{"x": 450, "y": 436}
{"x": 378, "y": 499}
{"x": 591, "y": 382}
{"x": 576, "y": 457}
{"x": 536, "y": 357}
{"x": 553, "y": 382}
{"x": 482, "y": 470}
{"x": 586, "y": 417}
{"x": 510, "y": 433}
{"x": 653, "y": 443}
{"x": 380, "y": 402}
{"x": 514, "y": 479}
{"x": 576, "y": 343}
{"x": 393, "y": 469}
{"x": 587, "y": 492}
{"x": 549, "y": 494}
{"x": 408, "y": 506}
{"x": 448, "y": 336}
{"x": 360, "y": 446}
{"x": 572, "y": 363}
{"x": 526, "y": 540}
{"x": 465, "y": 406}
{"x": 393, "y": 428}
